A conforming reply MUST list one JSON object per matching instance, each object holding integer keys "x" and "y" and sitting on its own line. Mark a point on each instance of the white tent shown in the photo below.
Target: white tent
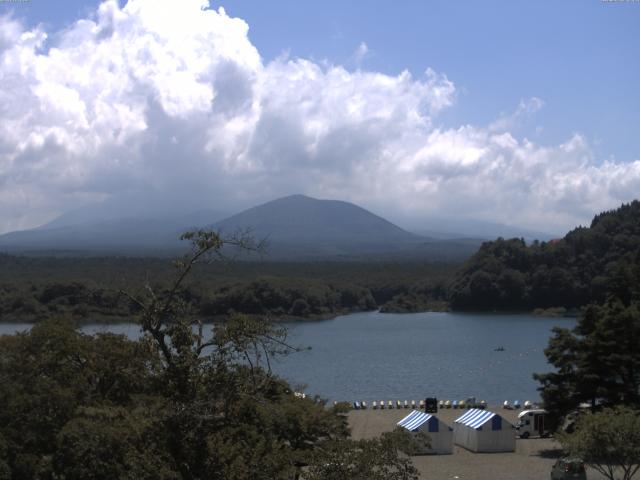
{"x": 440, "y": 434}
{"x": 484, "y": 431}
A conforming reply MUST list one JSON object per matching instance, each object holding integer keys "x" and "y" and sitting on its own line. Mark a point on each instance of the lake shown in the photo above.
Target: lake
{"x": 375, "y": 356}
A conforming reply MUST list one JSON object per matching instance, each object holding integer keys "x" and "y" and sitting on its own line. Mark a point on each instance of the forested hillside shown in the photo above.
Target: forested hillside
{"x": 87, "y": 289}
{"x": 585, "y": 266}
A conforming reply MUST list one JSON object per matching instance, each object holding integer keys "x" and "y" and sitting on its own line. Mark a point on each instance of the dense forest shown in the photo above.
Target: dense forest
{"x": 585, "y": 266}
{"x": 89, "y": 289}
{"x": 176, "y": 404}
{"x": 597, "y": 362}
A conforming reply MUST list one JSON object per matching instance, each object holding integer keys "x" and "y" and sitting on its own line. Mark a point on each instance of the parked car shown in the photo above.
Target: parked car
{"x": 568, "y": 469}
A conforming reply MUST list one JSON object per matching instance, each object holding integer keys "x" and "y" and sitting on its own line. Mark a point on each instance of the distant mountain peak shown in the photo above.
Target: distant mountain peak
{"x": 299, "y": 223}
{"x": 297, "y": 227}
{"x": 296, "y": 196}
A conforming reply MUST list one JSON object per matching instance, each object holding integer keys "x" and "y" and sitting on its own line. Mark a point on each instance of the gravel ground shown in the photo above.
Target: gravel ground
{"x": 532, "y": 459}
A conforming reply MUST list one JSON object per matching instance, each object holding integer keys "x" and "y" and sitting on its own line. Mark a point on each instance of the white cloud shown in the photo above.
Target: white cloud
{"x": 170, "y": 101}
{"x": 526, "y": 109}
{"x": 360, "y": 54}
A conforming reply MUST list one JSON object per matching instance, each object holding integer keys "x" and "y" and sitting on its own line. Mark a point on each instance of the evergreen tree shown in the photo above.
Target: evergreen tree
{"x": 598, "y": 362}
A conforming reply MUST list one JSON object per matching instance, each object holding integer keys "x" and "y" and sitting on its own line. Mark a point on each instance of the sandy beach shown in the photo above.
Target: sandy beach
{"x": 532, "y": 459}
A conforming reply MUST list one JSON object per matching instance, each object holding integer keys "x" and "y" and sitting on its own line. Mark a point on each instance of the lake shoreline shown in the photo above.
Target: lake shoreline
{"x": 558, "y": 312}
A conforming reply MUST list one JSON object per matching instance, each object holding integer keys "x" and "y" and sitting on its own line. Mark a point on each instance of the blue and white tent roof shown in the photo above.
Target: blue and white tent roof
{"x": 414, "y": 420}
{"x": 475, "y": 418}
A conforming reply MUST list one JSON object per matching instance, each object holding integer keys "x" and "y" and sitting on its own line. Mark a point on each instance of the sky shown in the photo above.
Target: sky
{"x": 522, "y": 113}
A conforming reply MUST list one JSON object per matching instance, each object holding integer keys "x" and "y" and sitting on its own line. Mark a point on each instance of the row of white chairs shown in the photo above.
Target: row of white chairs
{"x": 462, "y": 404}
{"x": 399, "y": 404}
{"x": 516, "y": 405}
{"x": 390, "y": 404}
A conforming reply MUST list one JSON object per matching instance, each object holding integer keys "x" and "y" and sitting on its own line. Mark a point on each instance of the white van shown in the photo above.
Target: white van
{"x": 532, "y": 423}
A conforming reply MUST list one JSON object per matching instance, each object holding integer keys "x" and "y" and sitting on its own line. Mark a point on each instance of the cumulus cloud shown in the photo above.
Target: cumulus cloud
{"x": 170, "y": 103}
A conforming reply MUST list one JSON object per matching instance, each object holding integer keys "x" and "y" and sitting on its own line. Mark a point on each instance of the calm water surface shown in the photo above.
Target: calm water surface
{"x": 374, "y": 356}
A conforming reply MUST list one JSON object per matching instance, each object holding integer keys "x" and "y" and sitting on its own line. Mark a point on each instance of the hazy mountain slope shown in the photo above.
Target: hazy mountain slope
{"x": 448, "y": 227}
{"x": 302, "y": 227}
{"x": 298, "y": 218}
{"x": 296, "y": 228}
{"x": 115, "y": 234}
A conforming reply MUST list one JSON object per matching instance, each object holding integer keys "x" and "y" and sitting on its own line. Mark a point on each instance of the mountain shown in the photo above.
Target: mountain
{"x": 301, "y": 227}
{"x": 298, "y": 218}
{"x": 79, "y": 234}
{"x": 447, "y": 228}
{"x": 295, "y": 227}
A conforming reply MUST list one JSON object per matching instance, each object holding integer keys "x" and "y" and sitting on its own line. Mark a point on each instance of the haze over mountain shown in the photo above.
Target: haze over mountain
{"x": 296, "y": 227}
{"x": 184, "y": 104}
{"x": 439, "y": 227}
{"x": 83, "y": 233}
{"x": 308, "y": 220}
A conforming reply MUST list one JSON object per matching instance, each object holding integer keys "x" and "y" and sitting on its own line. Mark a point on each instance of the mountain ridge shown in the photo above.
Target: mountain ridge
{"x": 297, "y": 227}
{"x": 301, "y": 215}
